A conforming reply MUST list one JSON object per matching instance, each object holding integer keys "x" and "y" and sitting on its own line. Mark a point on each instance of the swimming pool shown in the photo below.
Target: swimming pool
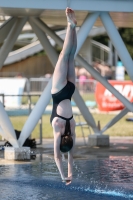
{"x": 102, "y": 178}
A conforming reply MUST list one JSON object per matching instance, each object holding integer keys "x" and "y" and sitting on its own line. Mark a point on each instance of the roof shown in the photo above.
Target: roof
{"x": 52, "y": 11}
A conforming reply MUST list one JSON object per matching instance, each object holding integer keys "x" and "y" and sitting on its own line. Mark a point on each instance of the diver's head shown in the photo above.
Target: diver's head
{"x": 66, "y": 143}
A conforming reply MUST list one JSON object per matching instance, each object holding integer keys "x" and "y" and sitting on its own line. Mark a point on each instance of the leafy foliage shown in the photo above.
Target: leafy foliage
{"x": 127, "y": 36}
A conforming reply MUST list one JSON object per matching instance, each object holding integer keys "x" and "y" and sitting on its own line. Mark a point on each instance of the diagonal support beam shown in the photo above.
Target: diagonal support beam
{"x": 106, "y": 84}
{"x": 46, "y": 95}
{"x": 11, "y": 38}
{"x": 47, "y": 30}
{"x": 117, "y": 42}
{"x": 84, "y": 110}
{"x": 85, "y": 29}
{"x": 115, "y": 119}
{"x": 36, "y": 113}
{"x": 6, "y": 27}
{"x": 50, "y": 51}
{"x": 3, "y": 134}
{"x": 82, "y": 33}
{"x": 7, "y": 127}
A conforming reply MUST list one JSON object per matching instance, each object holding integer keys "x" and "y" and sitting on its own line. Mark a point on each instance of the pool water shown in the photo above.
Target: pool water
{"x": 107, "y": 178}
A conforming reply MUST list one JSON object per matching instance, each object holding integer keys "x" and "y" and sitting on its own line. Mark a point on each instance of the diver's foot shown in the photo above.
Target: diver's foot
{"x": 71, "y": 17}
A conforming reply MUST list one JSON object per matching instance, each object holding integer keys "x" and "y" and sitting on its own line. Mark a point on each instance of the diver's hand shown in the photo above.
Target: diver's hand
{"x": 67, "y": 180}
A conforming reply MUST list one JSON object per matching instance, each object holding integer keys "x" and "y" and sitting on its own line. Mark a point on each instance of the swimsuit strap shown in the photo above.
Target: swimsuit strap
{"x": 67, "y": 126}
{"x": 64, "y": 117}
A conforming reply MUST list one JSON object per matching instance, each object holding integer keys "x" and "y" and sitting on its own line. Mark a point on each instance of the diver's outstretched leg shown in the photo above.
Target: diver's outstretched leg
{"x": 61, "y": 70}
{"x": 71, "y": 65}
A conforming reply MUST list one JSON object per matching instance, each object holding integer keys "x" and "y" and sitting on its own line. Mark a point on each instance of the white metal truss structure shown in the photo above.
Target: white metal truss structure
{"x": 42, "y": 13}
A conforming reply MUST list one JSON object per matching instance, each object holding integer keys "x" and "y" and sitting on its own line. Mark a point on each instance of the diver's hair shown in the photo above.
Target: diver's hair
{"x": 66, "y": 143}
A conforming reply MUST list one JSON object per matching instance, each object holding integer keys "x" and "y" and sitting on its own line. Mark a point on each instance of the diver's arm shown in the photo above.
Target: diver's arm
{"x": 57, "y": 154}
{"x": 70, "y": 161}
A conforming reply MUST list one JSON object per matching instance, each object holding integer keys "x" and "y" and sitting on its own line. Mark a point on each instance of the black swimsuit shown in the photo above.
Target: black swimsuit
{"x": 65, "y": 93}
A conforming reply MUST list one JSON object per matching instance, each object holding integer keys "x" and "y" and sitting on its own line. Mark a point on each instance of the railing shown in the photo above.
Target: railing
{"x": 34, "y": 88}
{"x": 37, "y": 85}
{"x": 100, "y": 52}
{"x": 29, "y": 102}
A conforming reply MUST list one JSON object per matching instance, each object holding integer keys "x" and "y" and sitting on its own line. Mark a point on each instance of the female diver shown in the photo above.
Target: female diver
{"x": 63, "y": 87}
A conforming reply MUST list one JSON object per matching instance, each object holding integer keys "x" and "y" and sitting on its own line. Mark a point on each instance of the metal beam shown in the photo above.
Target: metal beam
{"x": 117, "y": 42}
{"x": 7, "y": 127}
{"x": 82, "y": 33}
{"x": 46, "y": 95}
{"x": 104, "y": 82}
{"x": 2, "y": 133}
{"x": 47, "y": 30}
{"x": 50, "y": 51}
{"x": 115, "y": 119}
{"x": 11, "y": 38}
{"x": 84, "y": 110}
{"x": 6, "y": 27}
{"x": 90, "y": 5}
{"x": 85, "y": 29}
{"x": 36, "y": 113}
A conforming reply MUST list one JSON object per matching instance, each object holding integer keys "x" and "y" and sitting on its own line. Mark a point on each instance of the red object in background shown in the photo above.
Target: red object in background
{"x": 106, "y": 101}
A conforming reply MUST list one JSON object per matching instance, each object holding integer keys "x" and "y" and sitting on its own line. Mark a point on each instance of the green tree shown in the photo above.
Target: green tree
{"x": 127, "y": 36}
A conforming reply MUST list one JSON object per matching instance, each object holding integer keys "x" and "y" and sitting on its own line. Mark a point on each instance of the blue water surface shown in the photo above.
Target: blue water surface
{"x": 96, "y": 179}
